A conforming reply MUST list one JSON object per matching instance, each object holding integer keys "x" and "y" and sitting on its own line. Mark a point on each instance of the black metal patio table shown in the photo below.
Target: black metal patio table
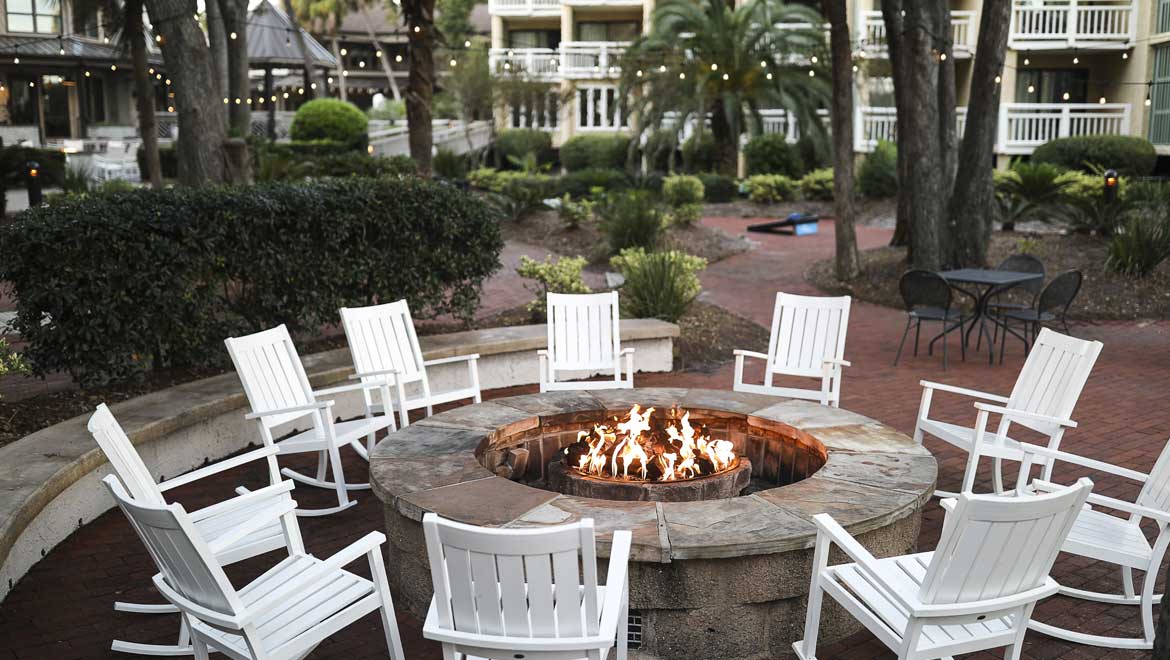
{"x": 985, "y": 283}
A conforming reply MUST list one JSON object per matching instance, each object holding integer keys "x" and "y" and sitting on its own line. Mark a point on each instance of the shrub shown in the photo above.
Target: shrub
{"x": 77, "y": 179}
{"x": 877, "y": 177}
{"x": 1130, "y": 156}
{"x": 680, "y": 190}
{"x": 562, "y": 275}
{"x": 575, "y": 214}
{"x": 630, "y": 219}
{"x": 485, "y": 178}
{"x": 524, "y": 193}
{"x": 1140, "y": 244}
{"x": 718, "y": 189}
{"x": 180, "y": 269}
{"x": 306, "y": 148}
{"x": 1096, "y": 216}
{"x": 659, "y": 285}
{"x": 699, "y": 154}
{"x": 595, "y": 152}
{"x": 684, "y": 215}
{"x": 817, "y": 185}
{"x": 391, "y": 110}
{"x": 1080, "y": 187}
{"x": 584, "y": 183}
{"x": 11, "y": 362}
{"x": 770, "y": 153}
{"x": 513, "y": 144}
{"x": 650, "y": 182}
{"x": 659, "y": 146}
{"x": 449, "y": 165}
{"x": 813, "y": 153}
{"x": 769, "y": 188}
{"x": 14, "y": 166}
{"x": 281, "y": 166}
{"x": 168, "y": 162}
{"x": 330, "y": 119}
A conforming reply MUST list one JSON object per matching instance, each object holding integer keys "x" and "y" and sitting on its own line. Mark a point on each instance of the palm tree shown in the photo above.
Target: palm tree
{"x": 419, "y": 17}
{"x": 333, "y": 12}
{"x": 707, "y": 57}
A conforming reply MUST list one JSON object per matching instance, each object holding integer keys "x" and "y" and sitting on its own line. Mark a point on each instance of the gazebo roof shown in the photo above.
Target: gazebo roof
{"x": 271, "y": 43}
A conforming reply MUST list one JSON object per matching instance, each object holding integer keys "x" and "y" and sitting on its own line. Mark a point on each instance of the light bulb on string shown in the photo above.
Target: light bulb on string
{"x": 769, "y": 76}
{"x": 397, "y": 58}
{"x": 378, "y": 54}
{"x": 662, "y": 69}
{"x": 682, "y": 76}
{"x": 814, "y": 59}
{"x": 467, "y": 44}
{"x": 113, "y": 67}
{"x": 855, "y": 68}
{"x": 232, "y": 36}
{"x": 812, "y": 74}
{"x": 726, "y": 77}
{"x": 311, "y": 86}
{"x": 714, "y": 67}
{"x": 1031, "y": 89}
{"x": 1065, "y": 96}
{"x": 344, "y": 51}
{"x": 417, "y": 29}
{"x": 1027, "y": 61}
{"x": 453, "y": 62}
{"x": 87, "y": 74}
{"x": 763, "y": 64}
{"x": 1101, "y": 100}
{"x": 998, "y": 80}
{"x": 1125, "y": 56}
{"x": 1149, "y": 92}
{"x": 1076, "y": 60}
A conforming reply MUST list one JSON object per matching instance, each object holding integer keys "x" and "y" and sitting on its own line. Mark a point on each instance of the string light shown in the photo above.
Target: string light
{"x": 467, "y": 44}
{"x": 769, "y": 76}
{"x": 168, "y": 82}
{"x": 233, "y": 36}
{"x": 714, "y": 67}
{"x": 417, "y": 29}
{"x": 226, "y": 101}
{"x": 16, "y": 60}
{"x": 274, "y": 98}
{"x": 285, "y": 95}
{"x": 638, "y": 73}
{"x": 362, "y": 64}
{"x": 941, "y": 56}
{"x": 113, "y": 67}
{"x": 662, "y": 69}
{"x": 1076, "y": 60}
{"x": 998, "y": 80}
{"x": 453, "y": 62}
{"x": 158, "y": 76}
{"x": 682, "y": 76}
{"x": 345, "y": 73}
{"x": 1125, "y": 56}
{"x": 378, "y": 54}
{"x": 87, "y": 74}
{"x": 814, "y": 59}
{"x": 1027, "y": 61}
{"x": 158, "y": 38}
{"x": 763, "y": 64}
{"x": 855, "y": 68}
{"x": 1101, "y": 100}
{"x": 397, "y": 58}
{"x": 311, "y": 86}
{"x": 1065, "y": 96}
{"x": 1031, "y": 89}
{"x": 344, "y": 51}
{"x": 726, "y": 77}
{"x": 812, "y": 74}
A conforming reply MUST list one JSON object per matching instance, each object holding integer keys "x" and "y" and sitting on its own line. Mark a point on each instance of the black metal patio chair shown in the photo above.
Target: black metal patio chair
{"x": 1051, "y": 307}
{"x": 928, "y": 297}
{"x": 1022, "y": 296}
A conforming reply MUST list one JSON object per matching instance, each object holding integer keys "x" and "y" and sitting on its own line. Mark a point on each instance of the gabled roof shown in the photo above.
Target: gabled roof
{"x": 271, "y": 41}
{"x": 76, "y": 49}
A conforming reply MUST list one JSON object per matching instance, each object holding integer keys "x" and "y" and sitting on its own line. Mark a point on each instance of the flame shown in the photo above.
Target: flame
{"x": 631, "y": 450}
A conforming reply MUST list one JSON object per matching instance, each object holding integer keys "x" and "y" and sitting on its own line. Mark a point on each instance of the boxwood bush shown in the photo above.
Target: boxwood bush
{"x": 770, "y": 188}
{"x": 605, "y": 151}
{"x": 112, "y": 285}
{"x": 682, "y": 190}
{"x": 1129, "y": 155}
{"x": 771, "y": 154}
{"x": 330, "y": 119}
{"x": 877, "y": 178}
{"x": 718, "y": 189}
{"x": 818, "y": 185}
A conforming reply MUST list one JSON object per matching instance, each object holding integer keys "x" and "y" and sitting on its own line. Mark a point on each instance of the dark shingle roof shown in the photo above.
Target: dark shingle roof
{"x": 76, "y": 49}
{"x": 271, "y": 42}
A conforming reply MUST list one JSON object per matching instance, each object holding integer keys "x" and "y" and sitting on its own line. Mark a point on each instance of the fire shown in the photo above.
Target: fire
{"x": 635, "y": 450}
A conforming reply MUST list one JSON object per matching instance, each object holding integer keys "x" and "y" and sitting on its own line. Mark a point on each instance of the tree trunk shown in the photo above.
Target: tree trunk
{"x": 940, "y": 14}
{"x": 919, "y": 131}
{"x": 972, "y": 205}
{"x": 420, "y": 21}
{"x": 340, "y": 70}
{"x": 892, "y": 17}
{"x": 217, "y": 41}
{"x": 724, "y": 141}
{"x": 143, "y": 90}
{"x": 394, "y": 91}
{"x": 235, "y": 22}
{"x": 303, "y": 49}
{"x": 201, "y": 127}
{"x": 840, "y": 44}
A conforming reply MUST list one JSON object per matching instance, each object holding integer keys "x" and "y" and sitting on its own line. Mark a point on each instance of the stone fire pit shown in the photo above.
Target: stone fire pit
{"x": 719, "y": 577}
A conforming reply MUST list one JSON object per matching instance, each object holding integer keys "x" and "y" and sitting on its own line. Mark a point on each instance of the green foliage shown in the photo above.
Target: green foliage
{"x": 486, "y": 178}
{"x": 604, "y": 151}
{"x": 1129, "y": 155}
{"x": 1096, "y": 216}
{"x": 877, "y": 177}
{"x": 180, "y": 269}
{"x": 812, "y": 153}
{"x": 1080, "y": 187}
{"x": 168, "y": 161}
{"x": 770, "y": 153}
{"x": 659, "y": 285}
{"x": 770, "y": 188}
{"x": 1141, "y": 243}
{"x": 1031, "y": 191}
{"x": 14, "y": 166}
{"x": 282, "y": 164}
{"x": 444, "y": 105}
{"x": 818, "y": 185}
{"x": 684, "y": 215}
{"x": 682, "y": 190}
{"x": 449, "y": 165}
{"x": 584, "y": 183}
{"x": 471, "y": 83}
{"x": 718, "y": 189}
{"x": 391, "y": 110}
{"x": 330, "y": 119}
{"x": 575, "y": 214}
{"x": 77, "y": 179}
{"x": 1152, "y": 193}
{"x": 630, "y": 219}
{"x": 1027, "y": 245}
{"x": 659, "y": 146}
{"x": 516, "y": 143}
{"x": 698, "y": 153}
{"x": 11, "y": 362}
{"x": 453, "y": 19}
{"x": 560, "y": 275}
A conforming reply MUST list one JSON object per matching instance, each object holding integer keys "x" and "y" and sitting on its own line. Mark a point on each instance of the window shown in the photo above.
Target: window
{"x": 95, "y": 99}
{"x": 85, "y": 24}
{"x": 539, "y": 112}
{"x": 43, "y": 16}
{"x": 22, "y": 102}
{"x": 598, "y": 107}
{"x": 1050, "y": 86}
{"x": 610, "y": 31}
{"x": 1160, "y": 97}
{"x": 534, "y": 38}
{"x": 1162, "y": 19}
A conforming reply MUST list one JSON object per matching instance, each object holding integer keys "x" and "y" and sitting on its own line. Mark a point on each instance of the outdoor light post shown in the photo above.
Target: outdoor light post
{"x": 1110, "y": 186}
{"x": 32, "y": 174}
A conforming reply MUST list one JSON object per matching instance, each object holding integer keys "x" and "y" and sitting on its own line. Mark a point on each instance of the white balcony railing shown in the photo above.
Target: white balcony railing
{"x": 875, "y": 124}
{"x": 1025, "y": 126}
{"x": 525, "y": 7}
{"x": 591, "y": 59}
{"x": 963, "y": 33}
{"x": 536, "y": 63}
{"x": 1066, "y": 24}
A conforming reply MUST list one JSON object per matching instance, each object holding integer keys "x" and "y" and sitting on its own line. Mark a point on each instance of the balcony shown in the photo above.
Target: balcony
{"x": 525, "y": 7}
{"x": 1071, "y": 24}
{"x": 1025, "y": 126}
{"x": 532, "y": 63}
{"x": 963, "y": 34}
{"x": 591, "y": 59}
{"x": 875, "y": 124}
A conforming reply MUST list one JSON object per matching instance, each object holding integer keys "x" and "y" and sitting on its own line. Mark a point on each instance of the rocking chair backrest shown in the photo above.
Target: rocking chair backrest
{"x": 993, "y": 547}
{"x": 187, "y": 564}
{"x": 806, "y": 331}
{"x": 382, "y": 338}
{"x": 583, "y": 330}
{"x": 120, "y": 452}
{"x": 1156, "y": 491}
{"x": 1054, "y": 375}
{"x": 507, "y": 581}
{"x": 272, "y": 373}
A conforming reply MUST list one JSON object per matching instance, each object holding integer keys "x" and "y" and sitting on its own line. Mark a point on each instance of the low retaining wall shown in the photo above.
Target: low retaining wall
{"x": 50, "y": 480}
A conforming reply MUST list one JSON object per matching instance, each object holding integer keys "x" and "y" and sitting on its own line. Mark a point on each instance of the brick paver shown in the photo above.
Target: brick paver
{"x": 63, "y": 608}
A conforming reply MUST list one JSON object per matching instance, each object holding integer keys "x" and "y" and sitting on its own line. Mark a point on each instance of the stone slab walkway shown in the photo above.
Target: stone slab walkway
{"x": 63, "y": 608}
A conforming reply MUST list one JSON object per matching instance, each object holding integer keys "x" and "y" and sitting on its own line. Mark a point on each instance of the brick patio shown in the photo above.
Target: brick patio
{"x": 63, "y": 608}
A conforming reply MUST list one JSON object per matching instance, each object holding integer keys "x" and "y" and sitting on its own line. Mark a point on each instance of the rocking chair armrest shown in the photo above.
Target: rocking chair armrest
{"x": 627, "y": 351}
{"x": 752, "y": 354}
{"x": 948, "y": 504}
{"x": 542, "y": 352}
{"x": 1090, "y": 463}
{"x": 858, "y": 553}
{"x": 280, "y": 490}
{"x": 615, "y": 581}
{"x": 453, "y": 358}
{"x": 351, "y": 387}
{"x": 1109, "y": 502}
{"x": 1024, "y": 414}
{"x": 263, "y": 517}
{"x": 205, "y": 614}
{"x": 373, "y": 374}
{"x": 931, "y": 385}
{"x": 1032, "y": 595}
{"x": 215, "y": 468}
{"x": 356, "y": 550}
{"x": 843, "y": 363}
{"x": 304, "y": 408}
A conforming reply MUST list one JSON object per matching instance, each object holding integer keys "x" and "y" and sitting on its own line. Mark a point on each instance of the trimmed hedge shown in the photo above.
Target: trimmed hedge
{"x": 516, "y": 143}
{"x": 771, "y": 154}
{"x": 818, "y": 185}
{"x": 168, "y": 161}
{"x": 770, "y": 188}
{"x": 582, "y": 182}
{"x": 109, "y": 286}
{"x": 1130, "y": 156}
{"x": 606, "y": 151}
{"x": 330, "y": 119}
{"x": 718, "y": 189}
{"x": 877, "y": 178}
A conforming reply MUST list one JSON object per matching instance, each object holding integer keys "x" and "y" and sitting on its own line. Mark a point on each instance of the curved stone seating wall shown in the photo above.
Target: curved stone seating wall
{"x": 50, "y": 480}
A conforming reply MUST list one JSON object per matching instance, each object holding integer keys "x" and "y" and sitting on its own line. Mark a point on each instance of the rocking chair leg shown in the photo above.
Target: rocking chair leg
{"x": 322, "y": 466}
{"x": 997, "y": 476}
{"x": 902, "y": 343}
{"x": 1127, "y": 581}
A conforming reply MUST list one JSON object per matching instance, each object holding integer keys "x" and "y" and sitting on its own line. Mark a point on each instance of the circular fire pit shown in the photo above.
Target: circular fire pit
{"x": 720, "y": 562}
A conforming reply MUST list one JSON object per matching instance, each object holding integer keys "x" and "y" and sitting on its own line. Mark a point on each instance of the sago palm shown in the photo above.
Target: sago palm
{"x": 706, "y": 57}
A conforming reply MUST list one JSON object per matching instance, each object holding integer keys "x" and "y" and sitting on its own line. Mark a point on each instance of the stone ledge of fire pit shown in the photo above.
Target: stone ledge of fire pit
{"x": 642, "y": 519}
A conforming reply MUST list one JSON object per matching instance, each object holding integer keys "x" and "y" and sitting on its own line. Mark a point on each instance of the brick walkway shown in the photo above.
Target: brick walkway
{"x": 62, "y": 609}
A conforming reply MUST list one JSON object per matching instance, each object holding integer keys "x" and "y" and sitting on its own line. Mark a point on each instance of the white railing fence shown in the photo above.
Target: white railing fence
{"x": 872, "y": 33}
{"x": 531, "y": 62}
{"x": 591, "y": 58}
{"x": 1025, "y": 126}
{"x": 1067, "y": 22}
{"x": 875, "y": 124}
{"x": 521, "y": 7}
{"x": 450, "y": 135}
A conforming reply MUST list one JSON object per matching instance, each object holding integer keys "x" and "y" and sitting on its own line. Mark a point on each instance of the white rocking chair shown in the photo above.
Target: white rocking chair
{"x": 514, "y": 593}
{"x": 279, "y": 392}
{"x": 1042, "y": 400}
{"x": 217, "y": 522}
{"x": 584, "y": 335}
{"x": 975, "y": 592}
{"x": 808, "y": 340}
{"x": 384, "y": 346}
{"x": 283, "y": 614}
{"x": 1119, "y": 541}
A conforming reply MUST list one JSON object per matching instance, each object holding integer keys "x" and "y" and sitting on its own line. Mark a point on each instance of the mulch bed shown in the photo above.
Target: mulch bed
{"x": 1105, "y": 295}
